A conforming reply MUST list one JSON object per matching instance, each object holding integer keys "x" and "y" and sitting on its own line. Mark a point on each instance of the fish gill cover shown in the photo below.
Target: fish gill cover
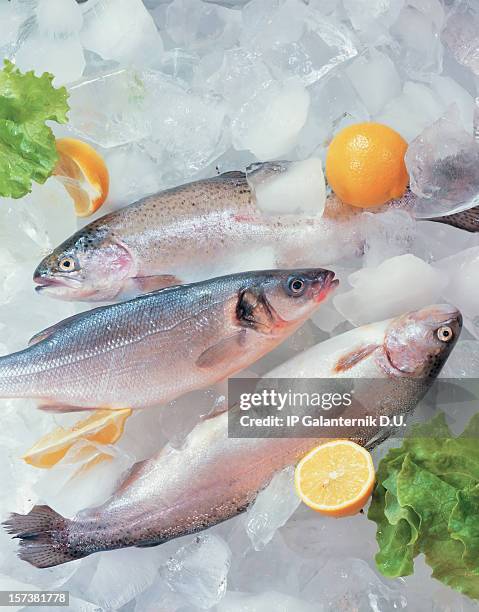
{"x": 27, "y": 144}
{"x": 426, "y": 501}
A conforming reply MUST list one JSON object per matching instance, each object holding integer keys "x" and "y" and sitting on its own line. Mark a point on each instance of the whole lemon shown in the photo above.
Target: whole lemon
{"x": 365, "y": 164}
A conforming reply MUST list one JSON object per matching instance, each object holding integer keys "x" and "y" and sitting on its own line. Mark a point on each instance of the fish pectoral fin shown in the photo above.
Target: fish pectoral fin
{"x": 140, "y": 285}
{"x": 59, "y": 408}
{"x": 350, "y": 359}
{"x": 223, "y": 351}
{"x": 146, "y": 284}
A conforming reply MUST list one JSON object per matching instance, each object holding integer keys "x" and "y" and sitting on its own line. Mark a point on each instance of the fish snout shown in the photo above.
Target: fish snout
{"x": 323, "y": 283}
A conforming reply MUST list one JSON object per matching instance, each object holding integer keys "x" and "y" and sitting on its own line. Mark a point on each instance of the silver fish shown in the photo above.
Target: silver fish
{"x": 156, "y": 347}
{"x": 214, "y": 477}
{"x": 200, "y": 230}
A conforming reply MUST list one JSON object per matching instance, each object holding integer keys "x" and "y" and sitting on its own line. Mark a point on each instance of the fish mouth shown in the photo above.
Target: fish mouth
{"x": 323, "y": 286}
{"x": 52, "y": 284}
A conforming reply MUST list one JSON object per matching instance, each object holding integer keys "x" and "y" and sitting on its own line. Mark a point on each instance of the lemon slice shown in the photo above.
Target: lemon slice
{"x": 336, "y": 478}
{"x": 84, "y": 174}
{"x": 102, "y": 427}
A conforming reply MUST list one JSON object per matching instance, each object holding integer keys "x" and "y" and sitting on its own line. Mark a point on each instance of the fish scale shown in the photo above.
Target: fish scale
{"x": 151, "y": 349}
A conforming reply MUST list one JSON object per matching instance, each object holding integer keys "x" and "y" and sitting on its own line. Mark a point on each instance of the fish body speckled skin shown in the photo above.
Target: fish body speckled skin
{"x": 189, "y": 233}
{"x": 158, "y": 346}
{"x": 201, "y": 230}
{"x": 214, "y": 477}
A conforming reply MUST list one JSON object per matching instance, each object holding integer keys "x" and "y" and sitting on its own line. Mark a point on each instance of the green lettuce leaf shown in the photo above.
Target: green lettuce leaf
{"x": 27, "y": 144}
{"x": 426, "y": 500}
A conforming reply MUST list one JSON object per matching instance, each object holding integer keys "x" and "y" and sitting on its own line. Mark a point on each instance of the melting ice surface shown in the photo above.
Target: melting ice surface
{"x": 176, "y": 90}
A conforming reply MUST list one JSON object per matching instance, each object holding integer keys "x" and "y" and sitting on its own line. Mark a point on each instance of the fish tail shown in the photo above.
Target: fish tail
{"x": 467, "y": 220}
{"x": 42, "y": 533}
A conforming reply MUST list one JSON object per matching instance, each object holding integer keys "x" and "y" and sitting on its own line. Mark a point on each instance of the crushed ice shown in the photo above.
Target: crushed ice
{"x": 175, "y": 91}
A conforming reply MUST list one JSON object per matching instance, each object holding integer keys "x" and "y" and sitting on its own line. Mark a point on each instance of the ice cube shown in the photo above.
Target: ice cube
{"x": 460, "y": 34}
{"x": 240, "y": 75}
{"x": 416, "y": 107}
{"x": 51, "y": 43}
{"x": 462, "y": 290}
{"x": 63, "y": 57}
{"x": 275, "y": 567}
{"x": 419, "y": 49}
{"x": 314, "y": 538}
{"x": 179, "y": 417}
{"x": 451, "y": 92}
{"x": 324, "y": 45}
{"x": 334, "y": 105}
{"x": 58, "y": 17}
{"x": 159, "y": 598}
{"x": 143, "y": 436}
{"x": 379, "y": 69}
{"x": 68, "y": 486}
{"x": 350, "y": 584}
{"x": 272, "y": 508}
{"x": 443, "y": 165}
{"x": 12, "y": 15}
{"x": 181, "y": 65}
{"x": 187, "y": 128}
{"x": 109, "y": 109}
{"x": 114, "y": 578}
{"x": 433, "y": 9}
{"x": 463, "y": 361}
{"x": 269, "y": 123}
{"x": 270, "y": 22}
{"x": 375, "y": 295}
{"x": 269, "y": 601}
{"x": 327, "y": 318}
{"x": 196, "y": 25}
{"x": 133, "y": 175}
{"x": 434, "y": 241}
{"x": 384, "y": 11}
{"x": 372, "y": 18}
{"x": 387, "y": 234}
{"x": 288, "y": 187}
{"x": 122, "y": 30}
{"x": 198, "y": 570}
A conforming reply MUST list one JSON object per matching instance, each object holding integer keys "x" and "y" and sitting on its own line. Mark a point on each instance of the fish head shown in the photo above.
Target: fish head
{"x": 91, "y": 265}
{"x": 418, "y": 343}
{"x": 281, "y": 298}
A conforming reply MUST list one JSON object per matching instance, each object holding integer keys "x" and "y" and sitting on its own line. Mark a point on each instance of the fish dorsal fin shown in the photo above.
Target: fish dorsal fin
{"x": 233, "y": 174}
{"x": 349, "y": 360}
{"x": 48, "y": 331}
{"x": 223, "y": 351}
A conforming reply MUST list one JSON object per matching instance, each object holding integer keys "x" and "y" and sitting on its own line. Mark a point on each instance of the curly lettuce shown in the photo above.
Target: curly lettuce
{"x": 27, "y": 144}
{"x": 426, "y": 500}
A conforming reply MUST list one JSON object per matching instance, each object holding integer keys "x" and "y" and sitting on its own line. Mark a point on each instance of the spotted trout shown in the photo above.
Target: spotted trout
{"x": 158, "y": 346}
{"x": 195, "y": 231}
{"x": 214, "y": 477}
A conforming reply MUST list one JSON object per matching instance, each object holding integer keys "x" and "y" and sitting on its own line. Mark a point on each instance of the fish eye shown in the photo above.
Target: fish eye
{"x": 296, "y": 286}
{"x": 67, "y": 264}
{"x": 445, "y": 333}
